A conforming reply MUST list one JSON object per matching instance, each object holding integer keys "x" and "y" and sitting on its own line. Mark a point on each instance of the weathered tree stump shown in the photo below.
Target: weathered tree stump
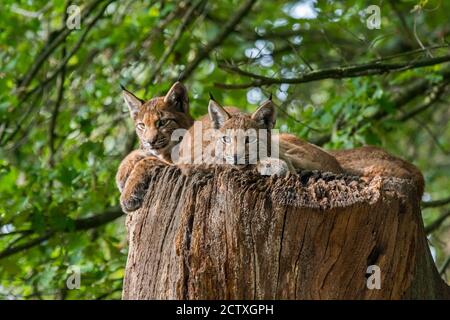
{"x": 237, "y": 235}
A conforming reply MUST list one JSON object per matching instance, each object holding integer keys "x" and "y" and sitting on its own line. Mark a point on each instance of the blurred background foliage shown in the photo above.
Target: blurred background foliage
{"x": 64, "y": 127}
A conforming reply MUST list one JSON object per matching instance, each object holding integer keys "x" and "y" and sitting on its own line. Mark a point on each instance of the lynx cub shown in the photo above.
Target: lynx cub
{"x": 155, "y": 121}
{"x": 232, "y": 137}
{"x": 370, "y": 161}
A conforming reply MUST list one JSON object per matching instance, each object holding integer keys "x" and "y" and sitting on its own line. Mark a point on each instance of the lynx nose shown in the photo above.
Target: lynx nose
{"x": 151, "y": 142}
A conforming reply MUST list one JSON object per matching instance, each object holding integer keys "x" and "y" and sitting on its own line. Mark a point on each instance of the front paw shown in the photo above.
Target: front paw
{"x": 130, "y": 204}
{"x": 132, "y": 197}
{"x": 273, "y": 167}
{"x": 137, "y": 184}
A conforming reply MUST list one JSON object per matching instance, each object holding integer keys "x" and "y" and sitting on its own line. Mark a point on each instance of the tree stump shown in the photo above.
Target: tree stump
{"x": 237, "y": 235}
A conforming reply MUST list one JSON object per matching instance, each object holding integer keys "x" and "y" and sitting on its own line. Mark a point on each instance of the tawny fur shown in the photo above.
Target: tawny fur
{"x": 126, "y": 166}
{"x": 306, "y": 156}
{"x": 294, "y": 154}
{"x": 155, "y": 121}
{"x": 370, "y": 161}
{"x": 137, "y": 183}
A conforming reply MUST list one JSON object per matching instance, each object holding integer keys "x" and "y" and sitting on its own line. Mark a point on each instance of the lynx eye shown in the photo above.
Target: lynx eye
{"x": 140, "y": 126}
{"x": 162, "y": 122}
{"x": 226, "y": 139}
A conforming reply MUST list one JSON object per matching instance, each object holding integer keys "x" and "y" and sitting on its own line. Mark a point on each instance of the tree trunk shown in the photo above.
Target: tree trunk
{"x": 238, "y": 235}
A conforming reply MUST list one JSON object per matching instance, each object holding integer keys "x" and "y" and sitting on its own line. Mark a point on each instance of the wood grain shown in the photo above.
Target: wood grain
{"x": 237, "y": 235}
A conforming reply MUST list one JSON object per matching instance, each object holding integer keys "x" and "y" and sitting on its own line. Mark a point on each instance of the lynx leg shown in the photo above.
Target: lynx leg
{"x": 126, "y": 166}
{"x": 137, "y": 184}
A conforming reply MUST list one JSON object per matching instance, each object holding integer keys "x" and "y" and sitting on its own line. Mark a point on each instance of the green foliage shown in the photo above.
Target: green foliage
{"x": 50, "y": 178}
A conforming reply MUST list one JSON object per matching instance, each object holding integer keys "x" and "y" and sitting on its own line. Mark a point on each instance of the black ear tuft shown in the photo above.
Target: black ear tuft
{"x": 122, "y": 86}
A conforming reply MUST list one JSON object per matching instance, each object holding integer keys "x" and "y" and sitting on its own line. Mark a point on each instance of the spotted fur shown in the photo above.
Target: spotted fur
{"x": 155, "y": 120}
{"x": 370, "y": 161}
{"x": 291, "y": 157}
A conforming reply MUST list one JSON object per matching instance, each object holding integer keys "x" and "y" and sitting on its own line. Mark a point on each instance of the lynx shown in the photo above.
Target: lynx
{"x": 370, "y": 161}
{"x": 306, "y": 156}
{"x": 241, "y": 142}
{"x": 155, "y": 120}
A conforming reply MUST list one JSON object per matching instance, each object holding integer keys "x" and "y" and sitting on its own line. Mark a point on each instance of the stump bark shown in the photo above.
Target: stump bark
{"x": 237, "y": 235}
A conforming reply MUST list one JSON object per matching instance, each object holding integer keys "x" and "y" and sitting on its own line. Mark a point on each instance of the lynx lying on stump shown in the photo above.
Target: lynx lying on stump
{"x": 157, "y": 119}
{"x": 232, "y": 137}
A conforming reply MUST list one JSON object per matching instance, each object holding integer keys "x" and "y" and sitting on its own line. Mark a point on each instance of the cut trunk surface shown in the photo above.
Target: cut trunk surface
{"x": 237, "y": 235}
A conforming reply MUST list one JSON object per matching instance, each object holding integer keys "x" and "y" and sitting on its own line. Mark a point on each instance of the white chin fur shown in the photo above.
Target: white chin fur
{"x": 152, "y": 152}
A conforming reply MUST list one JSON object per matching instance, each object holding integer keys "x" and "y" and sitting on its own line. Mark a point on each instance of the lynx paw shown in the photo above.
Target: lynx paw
{"x": 137, "y": 184}
{"x": 131, "y": 204}
{"x": 132, "y": 196}
{"x": 273, "y": 166}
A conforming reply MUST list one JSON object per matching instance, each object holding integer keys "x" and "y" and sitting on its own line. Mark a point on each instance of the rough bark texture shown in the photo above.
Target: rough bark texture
{"x": 237, "y": 235}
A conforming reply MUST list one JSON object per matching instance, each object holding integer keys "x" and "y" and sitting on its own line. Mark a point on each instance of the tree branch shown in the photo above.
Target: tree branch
{"x": 408, "y": 94}
{"x": 434, "y": 96}
{"x": 48, "y": 49}
{"x": 98, "y": 220}
{"x": 59, "y": 69}
{"x": 228, "y": 28}
{"x": 437, "y": 223}
{"x": 366, "y": 69}
{"x": 59, "y": 98}
{"x": 444, "y": 266}
{"x": 436, "y": 203}
{"x": 80, "y": 225}
{"x": 25, "y": 246}
{"x": 187, "y": 18}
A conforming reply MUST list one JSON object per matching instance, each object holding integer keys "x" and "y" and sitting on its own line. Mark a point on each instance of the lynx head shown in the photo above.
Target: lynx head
{"x": 157, "y": 118}
{"x": 242, "y": 138}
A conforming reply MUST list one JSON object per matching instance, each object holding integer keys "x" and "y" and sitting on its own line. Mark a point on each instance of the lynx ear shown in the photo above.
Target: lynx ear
{"x": 217, "y": 114}
{"x": 265, "y": 115}
{"x": 177, "y": 97}
{"x": 133, "y": 102}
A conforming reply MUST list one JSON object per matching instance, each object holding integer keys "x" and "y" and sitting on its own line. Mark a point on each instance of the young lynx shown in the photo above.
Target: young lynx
{"x": 369, "y": 161}
{"x": 306, "y": 156}
{"x": 155, "y": 121}
{"x": 232, "y": 137}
